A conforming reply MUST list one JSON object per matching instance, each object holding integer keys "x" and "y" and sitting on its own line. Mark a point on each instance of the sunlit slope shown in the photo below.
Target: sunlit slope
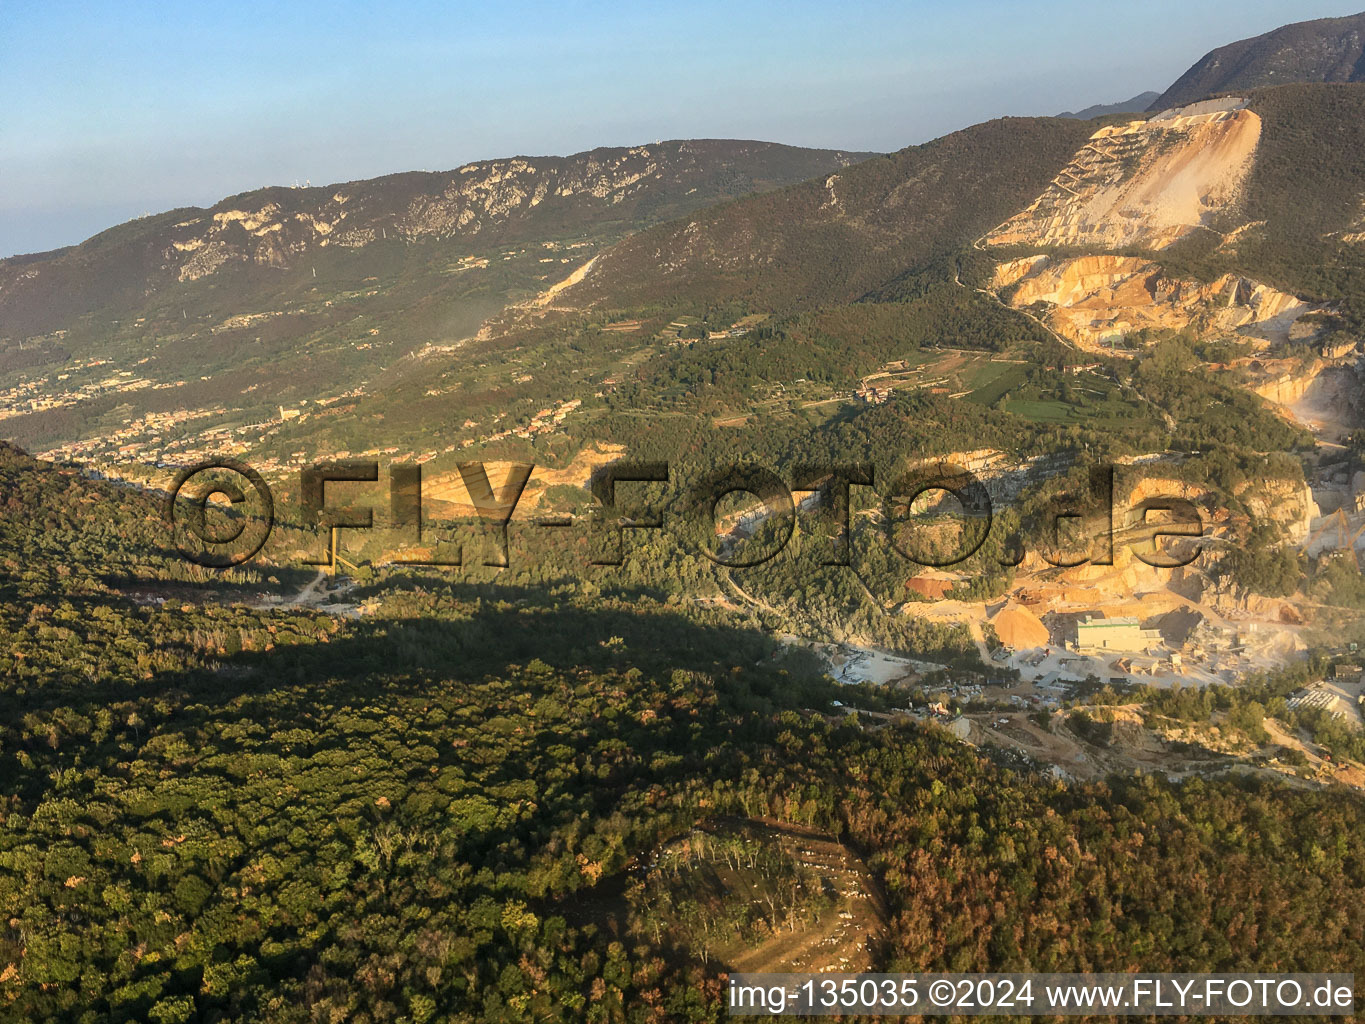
{"x": 268, "y": 232}
{"x": 1326, "y": 50}
{"x": 842, "y": 236}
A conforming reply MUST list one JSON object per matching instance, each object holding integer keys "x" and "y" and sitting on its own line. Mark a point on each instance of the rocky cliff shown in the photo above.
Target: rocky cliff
{"x": 1099, "y": 301}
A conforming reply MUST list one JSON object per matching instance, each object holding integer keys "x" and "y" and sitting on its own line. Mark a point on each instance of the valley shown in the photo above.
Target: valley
{"x": 583, "y": 412}
{"x": 980, "y": 590}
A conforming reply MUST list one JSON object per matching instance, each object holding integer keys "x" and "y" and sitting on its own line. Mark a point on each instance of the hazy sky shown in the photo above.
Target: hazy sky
{"x": 112, "y": 110}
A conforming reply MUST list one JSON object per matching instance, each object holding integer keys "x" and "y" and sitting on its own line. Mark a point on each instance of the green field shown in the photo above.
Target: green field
{"x": 1042, "y": 411}
{"x": 994, "y": 381}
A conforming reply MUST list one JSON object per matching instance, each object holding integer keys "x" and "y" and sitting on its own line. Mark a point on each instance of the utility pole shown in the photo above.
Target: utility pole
{"x": 337, "y": 559}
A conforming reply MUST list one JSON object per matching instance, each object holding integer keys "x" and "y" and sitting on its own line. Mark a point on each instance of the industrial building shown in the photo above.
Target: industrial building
{"x": 1122, "y": 634}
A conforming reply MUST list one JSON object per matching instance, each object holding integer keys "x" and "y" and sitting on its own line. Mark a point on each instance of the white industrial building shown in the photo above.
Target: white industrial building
{"x": 1122, "y": 634}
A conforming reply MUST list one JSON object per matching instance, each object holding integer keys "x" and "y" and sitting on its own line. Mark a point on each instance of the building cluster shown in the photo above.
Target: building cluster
{"x": 1323, "y": 698}
{"x": 42, "y": 394}
{"x": 1209, "y": 652}
{"x": 733, "y": 331}
{"x": 167, "y": 438}
{"x": 146, "y": 439}
{"x": 738, "y": 329}
{"x": 548, "y": 419}
{"x": 873, "y": 395}
{"x": 543, "y": 422}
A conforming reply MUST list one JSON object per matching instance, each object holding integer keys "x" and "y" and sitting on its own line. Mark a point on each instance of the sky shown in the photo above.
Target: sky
{"x": 113, "y": 110}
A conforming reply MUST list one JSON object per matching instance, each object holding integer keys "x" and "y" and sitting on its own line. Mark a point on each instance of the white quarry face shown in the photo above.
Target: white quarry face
{"x": 1143, "y": 184}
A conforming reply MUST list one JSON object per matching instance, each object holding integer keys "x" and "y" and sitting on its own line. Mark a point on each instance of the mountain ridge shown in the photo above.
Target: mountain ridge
{"x": 892, "y": 210}
{"x": 1323, "y": 50}
{"x": 1134, "y": 105}
{"x": 513, "y": 199}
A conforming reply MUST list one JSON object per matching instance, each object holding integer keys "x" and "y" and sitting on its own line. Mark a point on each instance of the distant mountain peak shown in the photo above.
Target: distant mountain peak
{"x": 1135, "y": 105}
{"x": 1326, "y": 50}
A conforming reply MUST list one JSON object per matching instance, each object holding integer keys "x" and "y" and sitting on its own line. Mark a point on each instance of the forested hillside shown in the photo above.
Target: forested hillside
{"x": 584, "y": 763}
{"x": 254, "y": 240}
{"x": 1304, "y": 201}
{"x": 1326, "y": 50}
{"x": 228, "y": 813}
{"x": 837, "y": 239}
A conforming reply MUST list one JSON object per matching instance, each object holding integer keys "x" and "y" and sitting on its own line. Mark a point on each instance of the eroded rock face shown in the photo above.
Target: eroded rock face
{"x": 479, "y": 194}
{"x": 1129, "y": 586}
{"x": 1323, "y": 396}
{"x": 1100, "y": 300}
{"x": 1144, "y": 184}
{"x": 1289, "y": 504}
{"x": 466, "y": 202}
{"x": 1284, "y": 381}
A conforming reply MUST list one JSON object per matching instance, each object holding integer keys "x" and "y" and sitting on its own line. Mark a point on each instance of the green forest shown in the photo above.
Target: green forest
{"x": 219, "y": 813}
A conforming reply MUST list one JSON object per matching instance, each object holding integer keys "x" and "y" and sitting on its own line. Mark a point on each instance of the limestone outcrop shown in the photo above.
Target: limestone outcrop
{"x": 465, "y": 202}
